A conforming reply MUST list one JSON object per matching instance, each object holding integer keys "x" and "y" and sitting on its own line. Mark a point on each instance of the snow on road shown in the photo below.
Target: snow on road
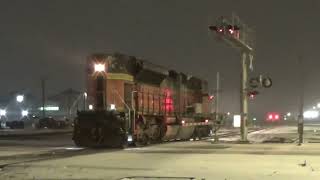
{"x": 201, "y": 159}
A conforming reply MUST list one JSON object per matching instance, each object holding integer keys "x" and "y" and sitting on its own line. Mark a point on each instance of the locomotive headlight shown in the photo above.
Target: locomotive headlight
{"x": 99, "y": 67}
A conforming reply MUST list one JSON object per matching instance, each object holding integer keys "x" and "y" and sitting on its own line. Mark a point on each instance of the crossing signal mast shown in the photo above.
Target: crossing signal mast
{"x": 240, "y": 37}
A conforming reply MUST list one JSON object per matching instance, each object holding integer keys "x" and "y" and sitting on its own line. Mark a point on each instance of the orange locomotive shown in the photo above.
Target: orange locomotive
{"x": 135, "y": 101}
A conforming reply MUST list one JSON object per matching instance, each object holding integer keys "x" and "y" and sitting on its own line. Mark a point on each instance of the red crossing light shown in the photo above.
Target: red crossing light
{"x": 211, "y": 97}
{"x": 252, "y": 94}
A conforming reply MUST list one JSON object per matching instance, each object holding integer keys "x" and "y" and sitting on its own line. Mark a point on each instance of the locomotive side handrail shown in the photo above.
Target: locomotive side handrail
{"x": 127, "y": 106}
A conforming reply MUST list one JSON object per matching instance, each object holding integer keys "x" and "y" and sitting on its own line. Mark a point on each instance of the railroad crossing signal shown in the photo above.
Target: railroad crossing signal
{"x": 260, "y": 81}
{"x": 252, "y": 94}
{"x": 241, "y": 37}
{"x": 232, "y": 30}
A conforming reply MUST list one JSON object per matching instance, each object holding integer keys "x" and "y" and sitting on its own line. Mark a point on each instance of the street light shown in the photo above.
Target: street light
{"x": 3, "y": 112}
{"x": 313, "y": 107}
{"x": 318, "y": 105}
{"x": 289, "y": 114}
{"x": 24, "y": 113}
{"x": 20, "y": 98}
{"x": 90, "y": 107}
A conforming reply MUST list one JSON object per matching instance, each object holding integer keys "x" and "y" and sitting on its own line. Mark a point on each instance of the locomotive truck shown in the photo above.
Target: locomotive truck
{"x": 133, "y": 101}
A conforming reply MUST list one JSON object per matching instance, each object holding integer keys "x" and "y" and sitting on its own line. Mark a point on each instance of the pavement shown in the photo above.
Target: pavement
{"x": 227, "y": 160}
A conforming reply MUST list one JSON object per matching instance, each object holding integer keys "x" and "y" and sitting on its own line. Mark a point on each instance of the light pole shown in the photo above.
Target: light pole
{"x": 300, "y": 116}
{"x": 215, "y": 128}
{"x": 43, "y": 98}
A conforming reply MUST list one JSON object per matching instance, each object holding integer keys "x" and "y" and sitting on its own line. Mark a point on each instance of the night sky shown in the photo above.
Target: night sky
{"x": 52, "y": 39}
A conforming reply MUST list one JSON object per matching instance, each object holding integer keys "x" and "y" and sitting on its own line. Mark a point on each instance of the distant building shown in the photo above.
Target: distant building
{"x": 68, "y": 101}
{"x": 61, "y": 105}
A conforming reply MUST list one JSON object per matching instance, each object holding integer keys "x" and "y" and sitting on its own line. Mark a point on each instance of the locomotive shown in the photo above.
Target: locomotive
{"x": 133, "y": 101}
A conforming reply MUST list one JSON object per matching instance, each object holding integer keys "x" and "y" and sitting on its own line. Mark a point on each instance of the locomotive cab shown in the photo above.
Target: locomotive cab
{"x": 107, "y": 123}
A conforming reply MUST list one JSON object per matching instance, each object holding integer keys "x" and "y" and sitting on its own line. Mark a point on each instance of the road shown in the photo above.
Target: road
{"x": 201, "y": 159}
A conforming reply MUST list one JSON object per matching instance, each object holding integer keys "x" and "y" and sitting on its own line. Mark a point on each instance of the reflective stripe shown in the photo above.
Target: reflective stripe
{"x": 120, "y": 76}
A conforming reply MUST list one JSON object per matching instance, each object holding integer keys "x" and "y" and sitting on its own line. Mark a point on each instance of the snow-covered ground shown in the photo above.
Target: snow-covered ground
{"x": 201, "y": 159}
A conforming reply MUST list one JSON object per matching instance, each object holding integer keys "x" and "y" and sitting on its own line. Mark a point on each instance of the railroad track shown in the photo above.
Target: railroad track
{"x": 56, "y": 154}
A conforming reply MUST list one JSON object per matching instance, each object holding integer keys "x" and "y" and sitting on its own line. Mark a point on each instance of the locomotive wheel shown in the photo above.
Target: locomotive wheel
{"x": 155, "y": 133}
{"x": 141, "y": 143}
{"x": 88, "y": 137}
{"x": 142, "y": 140}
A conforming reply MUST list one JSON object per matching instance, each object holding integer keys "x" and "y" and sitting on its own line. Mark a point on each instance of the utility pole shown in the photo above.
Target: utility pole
{"x": 216, "y": 139}
{"x": 43, "y": 97}
{"x": 301, "y": 103}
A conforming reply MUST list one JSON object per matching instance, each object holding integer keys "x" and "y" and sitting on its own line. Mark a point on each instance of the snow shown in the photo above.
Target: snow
{"x": 201, "y": 159}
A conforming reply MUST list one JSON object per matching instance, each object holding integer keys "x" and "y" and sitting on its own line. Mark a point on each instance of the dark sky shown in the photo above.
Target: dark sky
{"x": 53, "y": 38}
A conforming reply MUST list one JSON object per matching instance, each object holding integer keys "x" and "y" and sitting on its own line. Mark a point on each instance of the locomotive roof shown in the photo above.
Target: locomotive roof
{"x": 124, "y": 59}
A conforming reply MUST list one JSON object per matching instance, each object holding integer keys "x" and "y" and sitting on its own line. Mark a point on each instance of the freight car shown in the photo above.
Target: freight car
{"x": 134, "y": 101}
